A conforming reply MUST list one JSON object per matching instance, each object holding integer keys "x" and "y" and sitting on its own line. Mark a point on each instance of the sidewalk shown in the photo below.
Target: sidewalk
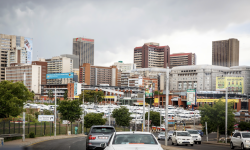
{"x": 31, "y": 141}
{"x": 215, "y": 143}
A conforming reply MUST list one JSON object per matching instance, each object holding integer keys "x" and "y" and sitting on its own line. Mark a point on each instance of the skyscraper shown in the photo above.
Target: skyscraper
{"x": 84, "y": 48}
{"x": 152, "y": 55}
{"x": 225, "y": 53}
{"x": 14, "y": 49}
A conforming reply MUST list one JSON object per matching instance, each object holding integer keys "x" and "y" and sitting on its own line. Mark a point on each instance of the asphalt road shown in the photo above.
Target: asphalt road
{"x": 61, "y": 144}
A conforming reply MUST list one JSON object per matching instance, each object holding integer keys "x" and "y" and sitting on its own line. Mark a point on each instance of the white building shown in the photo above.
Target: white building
{"x": 125, "y": 67}
{"x": 18, "y": 72}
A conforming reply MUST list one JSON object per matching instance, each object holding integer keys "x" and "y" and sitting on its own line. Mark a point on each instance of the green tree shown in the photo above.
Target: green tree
{"x": 215, "y": 118}
{"x": 70, "y": 110}
{"x": 157, "y": 92}
{"x": 50, "y": 95}
{"x": 93, "y": 119}
{"x": 155, "y": 117}
{"x": 58, "y": 101}
{"x": 47, "y": 112}
{"x": 244, "y": 126}
{"x": 147, "y": 100}
{"x": 122, "y": 116}
{"x": 65, "y": 96}
{"x": 92, "y": 96}
{"x": 12, "y": 98}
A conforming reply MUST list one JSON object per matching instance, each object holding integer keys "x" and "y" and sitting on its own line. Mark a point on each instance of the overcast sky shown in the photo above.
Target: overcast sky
{"x": 119, "y": 26}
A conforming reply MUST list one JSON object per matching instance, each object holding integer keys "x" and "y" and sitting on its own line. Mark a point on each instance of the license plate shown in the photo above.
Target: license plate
{"x": 103, "y": 137}
{"x": 185, "y": 141}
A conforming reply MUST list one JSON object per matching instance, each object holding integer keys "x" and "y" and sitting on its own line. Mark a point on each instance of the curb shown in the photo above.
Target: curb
{"x": 221, "y": 144}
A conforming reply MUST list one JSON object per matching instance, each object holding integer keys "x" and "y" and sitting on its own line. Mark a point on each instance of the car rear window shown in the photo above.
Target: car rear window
{"x": 102, "y": 130}
{"x": 134, "y": 139}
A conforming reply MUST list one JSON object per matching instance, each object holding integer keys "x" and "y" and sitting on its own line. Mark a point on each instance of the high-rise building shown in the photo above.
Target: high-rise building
{"x": 43, "y": 64}
{"x": 98, "y": 75}
{"x": 29, "y": 74}
{"x": 182, "y": 59}
{"x": 225, "y": 53}
{"x": 125, "y": 66}
{"x": 14, "y": 49}
{"x": 84, "y": 48}
{"x": 75, "y": 59}
{"x": 152, "y": 55}
{"x": 59, "y": 64}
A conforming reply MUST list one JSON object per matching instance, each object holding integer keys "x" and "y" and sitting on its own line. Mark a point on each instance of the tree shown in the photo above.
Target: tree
{"x": 122, "y": 116}
{"x": 65, "y": 96}
{"x": 70, "y": 110}
{"x": 244, "y": 126}
{"x": 147, "y": 100}
{"x": 50, "y": 94}
{"x": 155, "y": 117}
{"x": 215, "y": 118}
{"x": 12, "y": 98}
{"x": 92, "y": 96}
{"x": 58, "y": 101}
{"x": 93, "y": 119}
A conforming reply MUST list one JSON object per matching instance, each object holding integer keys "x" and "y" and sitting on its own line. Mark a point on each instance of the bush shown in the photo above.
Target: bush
{"x": 32, "y": 135}
{"x": 36, "y": 114}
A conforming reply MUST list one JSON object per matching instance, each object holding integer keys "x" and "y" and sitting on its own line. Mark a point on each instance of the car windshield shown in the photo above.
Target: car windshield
{"x": 134, "y": 139}
{"x": 245, "y": 135}
{"x": 102, "y": 130}
{"x": 193, "y": 132}
{"x": 183, "y": 134}
{"x": 171, "y": 132}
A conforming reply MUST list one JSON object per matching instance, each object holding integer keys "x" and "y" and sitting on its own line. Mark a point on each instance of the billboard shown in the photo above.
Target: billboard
{"x": 149, "y": 91}
{"x": 28, "y": 44}
{"x": 191, "y": 97}
{"x": 60, "y": 75}
{"x": 234, "y": 84}
{"x": 45, "y": 117}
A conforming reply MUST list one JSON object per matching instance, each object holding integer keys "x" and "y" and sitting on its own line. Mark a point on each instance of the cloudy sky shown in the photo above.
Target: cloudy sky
{"x": 119, "y": 26}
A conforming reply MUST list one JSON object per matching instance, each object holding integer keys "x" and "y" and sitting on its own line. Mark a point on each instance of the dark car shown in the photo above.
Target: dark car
{"x": 98, "y": 134}
{"x": 200, "y": 132}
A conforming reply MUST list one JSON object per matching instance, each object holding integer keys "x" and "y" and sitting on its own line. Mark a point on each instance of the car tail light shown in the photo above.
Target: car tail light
{"x": 91, "y": 137}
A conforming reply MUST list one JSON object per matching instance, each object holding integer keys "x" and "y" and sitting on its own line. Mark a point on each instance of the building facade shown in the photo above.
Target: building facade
{"x": 182, "y": 59}
{"x": 43, "y": 65}
{"x": 98, "y": 75}
{"x": 84, "y": 48}
{"x": 30, "y": 75}
{"x": 203, "y": 77}
{"x": 225, "y": 53}
{"x": 124, "y": 67}
{"x": 75, "y": 59}
{"x": 152, "y": 55}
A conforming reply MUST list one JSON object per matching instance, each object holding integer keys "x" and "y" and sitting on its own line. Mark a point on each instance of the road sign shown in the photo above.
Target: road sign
{"x": 45, "y": 117}
{"x": 65, "y": 122}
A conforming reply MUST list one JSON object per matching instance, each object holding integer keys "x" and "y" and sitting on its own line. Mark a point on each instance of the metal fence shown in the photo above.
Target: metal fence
{"x": 40, "y": 129}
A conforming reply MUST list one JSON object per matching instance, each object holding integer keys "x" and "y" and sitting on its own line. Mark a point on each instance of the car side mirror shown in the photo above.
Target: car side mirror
{"x": 238, "y": 137}
{"x": 103, "y": 145}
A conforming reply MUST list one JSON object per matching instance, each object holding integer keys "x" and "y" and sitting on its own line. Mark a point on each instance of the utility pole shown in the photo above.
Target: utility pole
{"x": 55, "y": 114}
{"x": 226, "y": 115}
{"x": 166, "y": 109}
{"x": 148, "y": 116}
{"x": 109, "y": 108}
{"x": 24, "y": 82}
{"x": 83, "y": 112}
{"x": 143, "y": 110}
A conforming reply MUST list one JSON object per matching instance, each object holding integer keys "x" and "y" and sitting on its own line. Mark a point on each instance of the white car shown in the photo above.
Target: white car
{"x": 195, "y": 135}
{"x": 132, "y": 140}
{"x": 182, "y": 138}
{"x": 161, "y": 136}
{"x": 240, "y": 139}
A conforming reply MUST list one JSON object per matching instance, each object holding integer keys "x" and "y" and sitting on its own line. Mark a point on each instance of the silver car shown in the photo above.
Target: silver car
{"x": 98, "y": 134}
{"x": 161, "y": 136}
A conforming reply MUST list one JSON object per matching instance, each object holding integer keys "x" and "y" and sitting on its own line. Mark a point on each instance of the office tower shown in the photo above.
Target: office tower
{"x": 75, "y": 59}
{"x": 59, "y": 64}
{"x": 14, "y": 49}
{"x": 31, "y": 74}
{"x": 152, "y": 55}
{"x": 43, "y": 65}
{"x": 225, "y": 53}
{"x": 98, "y": 75}
{"x": 84, "y": 48}
{"x": 182, "y": 59}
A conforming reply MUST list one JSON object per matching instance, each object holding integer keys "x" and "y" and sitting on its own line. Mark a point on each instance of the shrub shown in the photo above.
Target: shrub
{"x": 36, "y": 114}
{"x": 32, "y": 135}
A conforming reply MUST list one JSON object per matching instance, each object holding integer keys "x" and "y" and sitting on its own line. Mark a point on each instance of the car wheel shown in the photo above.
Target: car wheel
{"x": 192, "y": 144}
{"x": 242, "y": 146}
{"x": 172, "y": 143}
{"x": 231, "y": 145}
{"x": 195, "y": 142}
{"x": 200, "y": 142}
{"x": 177, "y": 143}
{"x": 186, "y": 144}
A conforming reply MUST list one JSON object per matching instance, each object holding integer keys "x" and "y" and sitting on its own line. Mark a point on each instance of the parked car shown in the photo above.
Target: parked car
{"x": 195, "y": 135}
{"x": 201, "y": 133}
{"x": 240, "y": 139}
{"x": 132, "y": 140}
{"x": 182, "y": 138}
{"x": 161, "y": 136}
{"x": 98, "y": 134}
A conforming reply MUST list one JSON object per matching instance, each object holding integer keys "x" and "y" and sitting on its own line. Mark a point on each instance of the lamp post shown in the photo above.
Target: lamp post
{"x": 166, "y": 109}
{"x": 226, "y": 114}
{"x": 83, "y": 112}
{"x": 55, "y": 114}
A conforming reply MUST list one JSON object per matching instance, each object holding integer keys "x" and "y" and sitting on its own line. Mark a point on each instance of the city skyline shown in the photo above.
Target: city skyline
{"x": 118, "y": 30}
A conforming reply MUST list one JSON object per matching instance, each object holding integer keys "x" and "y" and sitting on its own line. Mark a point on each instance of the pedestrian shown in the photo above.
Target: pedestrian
{"x": 76, "y": 130}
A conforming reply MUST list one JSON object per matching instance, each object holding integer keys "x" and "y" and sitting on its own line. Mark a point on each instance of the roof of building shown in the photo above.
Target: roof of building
{"x": 180, "y": 54}
{"x": 194, "y": 67}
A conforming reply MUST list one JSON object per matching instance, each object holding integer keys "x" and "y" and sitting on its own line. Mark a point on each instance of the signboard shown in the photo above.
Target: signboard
{"x": 234, "y": 84}
{"x": 149, "y": 91}
{"x": 45, "y": 117}
{"x": 60, "y": 75}
{"x": 214, "y": 100}
{"x": 28, "y": 44}
{"x": 156, "y": 100}
{"x": 191, "y": 96}
{"x": 65, "y": 122}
